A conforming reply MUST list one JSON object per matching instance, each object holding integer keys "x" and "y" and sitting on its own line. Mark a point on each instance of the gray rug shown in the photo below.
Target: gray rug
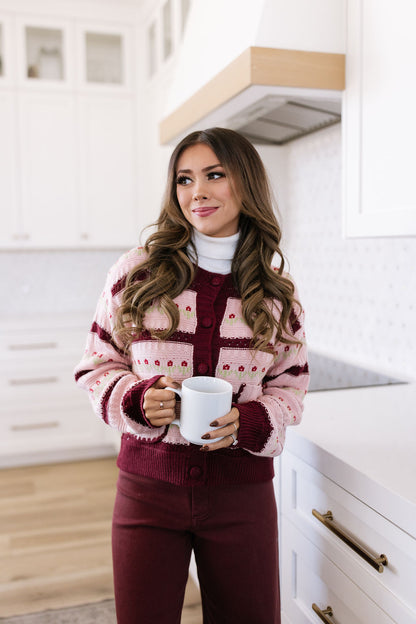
{"x": 102, "y": 612}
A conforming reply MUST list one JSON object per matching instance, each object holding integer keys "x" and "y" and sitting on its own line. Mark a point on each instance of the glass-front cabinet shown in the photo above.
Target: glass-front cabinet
{"x": 44, "y": 53}
{"x": 103, "y": 58}
{"x": 6, "y": 56}
{"x": 2, "y": 60}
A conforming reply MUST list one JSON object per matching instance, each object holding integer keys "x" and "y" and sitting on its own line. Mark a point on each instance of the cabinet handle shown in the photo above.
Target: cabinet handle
{"x": 325, "y": 614}
{"x": 328, "y": 521}
{"x": 44, "y": 425}
{"x": 33, "y": 380}
{"x": 33, "y": 345}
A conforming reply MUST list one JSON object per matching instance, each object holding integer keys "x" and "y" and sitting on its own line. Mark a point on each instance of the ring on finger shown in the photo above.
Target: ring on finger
{"x": 161, "y": 405}
{"x": 235, "y": 426}
{"x": 232, "y": 435}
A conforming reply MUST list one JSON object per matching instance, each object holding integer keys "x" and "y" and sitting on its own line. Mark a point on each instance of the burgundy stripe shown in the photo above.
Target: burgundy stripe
{"x": 121, "y": 283}
{"x": 106, "y": 397}
{"x": 294, "y": 322}
{"x": 105, "y": 336}
{"x": 295, "y": 371}
{"x": 118, "y": 286}
{"x": 81, "y": 374}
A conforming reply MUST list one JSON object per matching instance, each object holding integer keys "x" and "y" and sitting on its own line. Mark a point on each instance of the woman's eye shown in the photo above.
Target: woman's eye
{"x": 216, "y": 175}
{"x": 183, "y": 180}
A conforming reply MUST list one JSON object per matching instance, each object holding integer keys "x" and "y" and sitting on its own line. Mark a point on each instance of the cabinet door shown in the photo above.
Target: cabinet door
{"x": 48, "y": 168}
{"x": 378, "y": 119}
{"x": 9, "y": 231}
{"x": 107, "y": 172}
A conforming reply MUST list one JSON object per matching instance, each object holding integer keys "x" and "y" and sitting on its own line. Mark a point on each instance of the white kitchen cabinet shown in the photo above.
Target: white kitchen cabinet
{"x": 314, "y": 559}
{"x": 312, "y": 582}
{"x": 9, "y": 230}
{"x": 348, "y": 509}
{"x": 107, "y": 171}
{"x": 69, "y": 133}
{"x": 7, "y": 58}
{"x": 44, "y": 416}
{"x": 48, "y": 161}
{"x": 45, "y": 52}
{"x": 379, "y": 125}
{"x": 104, "y": 58}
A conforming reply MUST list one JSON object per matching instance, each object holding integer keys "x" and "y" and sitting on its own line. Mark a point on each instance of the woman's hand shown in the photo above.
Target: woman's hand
{"x": 159, "y": 404}
{"x": 228, "y": 427}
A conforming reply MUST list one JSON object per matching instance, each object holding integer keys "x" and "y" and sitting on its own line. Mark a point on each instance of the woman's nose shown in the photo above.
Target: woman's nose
{"x": 198, "y": 195}
{"x": 200, "y": 192}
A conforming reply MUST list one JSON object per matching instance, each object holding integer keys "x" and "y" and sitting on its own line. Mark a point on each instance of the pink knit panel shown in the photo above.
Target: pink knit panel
{"x": 186, "y": 304}
{"x": 151, "y": 357}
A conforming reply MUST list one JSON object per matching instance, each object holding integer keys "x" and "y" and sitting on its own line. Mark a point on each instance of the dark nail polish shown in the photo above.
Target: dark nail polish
{"x": 206, "y": 436}
{"x": 204, "y": 448}
{"x": 214, "y": 424}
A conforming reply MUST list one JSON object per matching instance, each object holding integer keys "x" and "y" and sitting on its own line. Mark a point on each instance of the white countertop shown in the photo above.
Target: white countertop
{"x": 372, "y": 431}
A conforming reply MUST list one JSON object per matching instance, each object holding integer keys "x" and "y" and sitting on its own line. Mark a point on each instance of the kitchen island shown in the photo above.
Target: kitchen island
{"x": 352, "y": 455}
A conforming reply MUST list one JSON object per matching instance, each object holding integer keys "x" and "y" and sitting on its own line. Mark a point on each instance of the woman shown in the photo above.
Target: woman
{"x": 201, "y": 298}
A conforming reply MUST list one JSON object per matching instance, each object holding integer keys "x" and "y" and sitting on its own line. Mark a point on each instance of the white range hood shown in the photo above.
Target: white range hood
{"x": 272, "y": 69}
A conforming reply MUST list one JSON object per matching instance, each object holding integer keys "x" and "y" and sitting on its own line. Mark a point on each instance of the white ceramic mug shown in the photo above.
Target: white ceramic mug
{"x": 203, "y": 400}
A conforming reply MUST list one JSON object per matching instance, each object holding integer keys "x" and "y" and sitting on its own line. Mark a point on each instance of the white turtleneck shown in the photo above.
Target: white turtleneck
{"x": 215, "y": 254}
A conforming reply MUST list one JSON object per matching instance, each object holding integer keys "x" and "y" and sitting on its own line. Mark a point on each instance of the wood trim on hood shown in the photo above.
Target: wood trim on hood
{"x": 257, "y": 66}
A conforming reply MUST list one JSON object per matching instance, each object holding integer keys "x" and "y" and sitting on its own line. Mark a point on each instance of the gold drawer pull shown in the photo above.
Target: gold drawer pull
{"x": 33, "y": 380}
{"x": 325, "y": 614}
{"x": 33, "y": 346}
{"x": 31, "y": 427}
{"x": 328, "y": 521}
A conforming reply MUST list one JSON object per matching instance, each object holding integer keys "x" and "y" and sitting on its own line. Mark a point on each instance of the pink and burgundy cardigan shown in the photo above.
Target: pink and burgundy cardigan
{"x": 212, "y": 339}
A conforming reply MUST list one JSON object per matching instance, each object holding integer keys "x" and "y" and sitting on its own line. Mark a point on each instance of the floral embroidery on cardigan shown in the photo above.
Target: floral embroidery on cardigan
{"x": 151, "y": 357}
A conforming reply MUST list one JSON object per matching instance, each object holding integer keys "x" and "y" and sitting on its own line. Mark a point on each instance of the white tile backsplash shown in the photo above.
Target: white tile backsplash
{"x": 359, "y": 294}
{"x": 53, "y": 282}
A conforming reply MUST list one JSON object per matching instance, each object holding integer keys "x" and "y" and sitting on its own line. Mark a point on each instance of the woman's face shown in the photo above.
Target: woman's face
{"x": 204, "y": 192}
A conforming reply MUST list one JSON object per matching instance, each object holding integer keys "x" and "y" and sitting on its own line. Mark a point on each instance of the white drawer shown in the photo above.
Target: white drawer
{"x": 311, "y": 578}
{"x": 65, "y": 426}
{"x": 39, "y": 389}
{"x": 23, "y": 344}
{"x": 305, "y": 489}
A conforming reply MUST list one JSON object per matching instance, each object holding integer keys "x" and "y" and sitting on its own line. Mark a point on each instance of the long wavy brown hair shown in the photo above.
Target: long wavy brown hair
{"x": 169, "y": 270}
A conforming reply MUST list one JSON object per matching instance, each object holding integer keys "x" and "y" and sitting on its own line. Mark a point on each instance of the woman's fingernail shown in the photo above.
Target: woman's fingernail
{"x": 204, "y": 448}
{"x": 214, "y": 424}
{"x": 206, "y": 436}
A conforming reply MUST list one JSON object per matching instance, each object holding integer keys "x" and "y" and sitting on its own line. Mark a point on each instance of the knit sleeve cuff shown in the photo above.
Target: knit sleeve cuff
{"x": 132, "y": 404}
{"x": 255, "y": 427}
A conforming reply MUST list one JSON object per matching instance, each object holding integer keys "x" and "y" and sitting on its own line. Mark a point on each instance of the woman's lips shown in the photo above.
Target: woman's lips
{"x": 204, "y": 211}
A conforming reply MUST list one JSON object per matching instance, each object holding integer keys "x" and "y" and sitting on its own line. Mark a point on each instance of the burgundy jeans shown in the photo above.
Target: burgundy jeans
{"x": 233, "y": 532}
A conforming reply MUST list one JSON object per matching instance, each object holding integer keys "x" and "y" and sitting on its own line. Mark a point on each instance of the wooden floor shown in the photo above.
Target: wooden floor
{"x": 55, "y": 550}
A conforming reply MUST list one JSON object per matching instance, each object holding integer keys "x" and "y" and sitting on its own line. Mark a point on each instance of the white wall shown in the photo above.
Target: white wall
{"x": 359, "y": 294}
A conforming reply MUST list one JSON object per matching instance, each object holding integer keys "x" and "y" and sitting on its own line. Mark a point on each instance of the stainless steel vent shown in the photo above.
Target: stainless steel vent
{"x": 276, "y": 121}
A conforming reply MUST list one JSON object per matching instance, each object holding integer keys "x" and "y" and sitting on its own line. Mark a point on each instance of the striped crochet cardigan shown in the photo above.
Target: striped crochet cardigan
{"x": 212, "y": 339}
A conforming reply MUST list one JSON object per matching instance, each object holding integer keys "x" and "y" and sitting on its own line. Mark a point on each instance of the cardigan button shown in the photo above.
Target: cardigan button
{"x": 202, "y": 368}
{"x": 206, "y": 322}
{"x": 195, "y": 472}
{"x": 216, "y": 281}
